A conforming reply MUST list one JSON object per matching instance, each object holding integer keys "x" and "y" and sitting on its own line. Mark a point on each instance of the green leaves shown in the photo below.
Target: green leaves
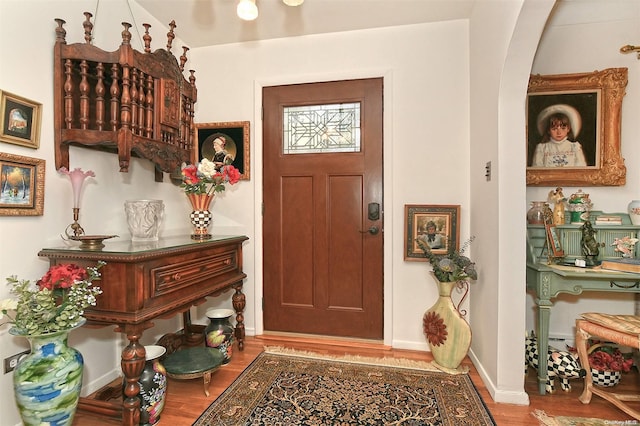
{"x": 43, "y": 310}
{"x": 450, "y": 267}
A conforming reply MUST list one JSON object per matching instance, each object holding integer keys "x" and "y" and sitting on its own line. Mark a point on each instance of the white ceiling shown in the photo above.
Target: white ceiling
{"x": 209, "y": 22}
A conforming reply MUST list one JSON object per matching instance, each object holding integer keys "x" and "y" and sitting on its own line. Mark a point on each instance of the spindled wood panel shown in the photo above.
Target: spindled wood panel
{"x": 186, "y": 399}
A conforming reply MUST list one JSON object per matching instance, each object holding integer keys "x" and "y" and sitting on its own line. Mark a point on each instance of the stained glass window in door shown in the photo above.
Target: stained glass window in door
{"x": 320, "y": 129}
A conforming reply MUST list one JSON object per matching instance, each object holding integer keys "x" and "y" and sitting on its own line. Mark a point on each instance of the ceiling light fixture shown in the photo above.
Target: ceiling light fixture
{"x": 293, "y": 2}
{"x": 247, "y": 10}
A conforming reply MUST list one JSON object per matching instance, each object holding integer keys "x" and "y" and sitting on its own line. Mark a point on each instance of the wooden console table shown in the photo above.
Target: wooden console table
{"x": 143, "y": 281}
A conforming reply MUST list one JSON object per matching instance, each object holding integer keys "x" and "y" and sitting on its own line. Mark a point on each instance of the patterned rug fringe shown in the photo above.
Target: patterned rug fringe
{"x": 546, "y": 420}
{"x": 543, "y": 418}
{"x": 356, "y": 359}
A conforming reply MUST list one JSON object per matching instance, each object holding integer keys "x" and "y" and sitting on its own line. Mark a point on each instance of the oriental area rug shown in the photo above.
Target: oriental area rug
{"x": 287, "y": 387}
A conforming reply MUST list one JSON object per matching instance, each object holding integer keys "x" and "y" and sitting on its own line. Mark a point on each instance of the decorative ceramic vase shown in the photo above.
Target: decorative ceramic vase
{"x": 579, "y": 205}
{"x": 47, "y": 382}
{"x": 536, "y": 214}
{"x": 144, "y": 218}
{"x": 448, "y": 333}
{"x": 219, "y": 332}
{"x": 634, "y": 212}
{"x": 153, "y": 386}
{"x": 605, "y": 378}
{"x": 200, "y": 216}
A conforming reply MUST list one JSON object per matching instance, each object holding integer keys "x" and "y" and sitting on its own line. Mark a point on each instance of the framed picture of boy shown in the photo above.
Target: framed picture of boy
{"x": 573, "y": 129}
{"x": 436, "y": 225}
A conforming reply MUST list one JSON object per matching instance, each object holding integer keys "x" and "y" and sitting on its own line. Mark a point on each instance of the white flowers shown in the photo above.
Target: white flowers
{"x": 7, "y": 305}
{"x": 207, "y": 168}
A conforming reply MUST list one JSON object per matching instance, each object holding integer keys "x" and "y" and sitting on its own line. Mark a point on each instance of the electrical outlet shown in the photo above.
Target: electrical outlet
{"x": 10, "y": 363}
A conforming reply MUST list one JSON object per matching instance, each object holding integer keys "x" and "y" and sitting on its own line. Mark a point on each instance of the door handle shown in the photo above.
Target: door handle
{"x": 373, "y": 230}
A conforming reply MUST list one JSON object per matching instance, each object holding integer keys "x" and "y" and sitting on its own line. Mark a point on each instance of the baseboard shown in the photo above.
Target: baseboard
{"x": 100, "y": 382}
{"x": 500, "y": 396}
{"x": 410, "y": 345}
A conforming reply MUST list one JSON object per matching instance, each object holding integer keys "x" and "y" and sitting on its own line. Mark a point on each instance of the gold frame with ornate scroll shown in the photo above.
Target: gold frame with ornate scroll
{"x": 236, "y": 134}
{"x": 22, "y": 185}
{"x": 609, "y": 86}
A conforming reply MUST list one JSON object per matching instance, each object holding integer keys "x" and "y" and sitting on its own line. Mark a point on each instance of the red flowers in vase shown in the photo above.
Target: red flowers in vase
{"x": 608, "y": 358}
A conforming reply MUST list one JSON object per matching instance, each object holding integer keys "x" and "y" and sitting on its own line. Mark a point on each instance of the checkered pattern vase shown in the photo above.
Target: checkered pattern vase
{"x": 605, "y": 378}
{"x": 200, "y": 220}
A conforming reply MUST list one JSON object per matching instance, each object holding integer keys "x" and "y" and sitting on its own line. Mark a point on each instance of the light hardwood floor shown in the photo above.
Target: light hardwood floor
{"x": 186, "y": 399}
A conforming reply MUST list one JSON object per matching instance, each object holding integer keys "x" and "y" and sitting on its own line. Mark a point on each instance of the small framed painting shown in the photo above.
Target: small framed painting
{"x": 437, "y": 225}
{"x": 225, "y": 143}
{"x": 19, "y": 120}
{"x": 21, "y": 185}
{"x": 553, "y": 240}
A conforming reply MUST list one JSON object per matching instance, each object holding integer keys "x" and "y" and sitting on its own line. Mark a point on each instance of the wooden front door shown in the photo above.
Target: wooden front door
{"x": 322, "y": 221}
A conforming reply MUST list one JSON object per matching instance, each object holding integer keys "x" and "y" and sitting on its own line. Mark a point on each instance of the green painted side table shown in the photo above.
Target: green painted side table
{"x": 192, "y": 363}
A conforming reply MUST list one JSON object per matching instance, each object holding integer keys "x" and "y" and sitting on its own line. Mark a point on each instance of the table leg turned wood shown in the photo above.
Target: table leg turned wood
{"x": 133, "y": 359}
{"x": 239, "y": 301}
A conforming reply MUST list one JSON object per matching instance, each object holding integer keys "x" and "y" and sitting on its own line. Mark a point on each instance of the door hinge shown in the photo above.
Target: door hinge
{"x": 262, "y": 208}
{"x": 263, "y": 303}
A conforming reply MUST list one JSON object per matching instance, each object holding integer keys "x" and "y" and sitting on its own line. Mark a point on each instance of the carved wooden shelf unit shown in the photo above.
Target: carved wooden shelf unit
{"x": 126, "y": 102}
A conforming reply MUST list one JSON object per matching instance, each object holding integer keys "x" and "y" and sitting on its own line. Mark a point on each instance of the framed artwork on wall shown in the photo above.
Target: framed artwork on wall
{"x": 19, "y": 120}
{"x": 573, "y": 129}
{"x": 21, "y": 185}
{"x": 437, "y": 224}
{"x": 226, "y": 142}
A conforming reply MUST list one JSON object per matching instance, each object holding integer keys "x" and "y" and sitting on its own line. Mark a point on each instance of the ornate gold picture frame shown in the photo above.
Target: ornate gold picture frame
{"x": 19, "y": 120}
{"x": 422, "y": 220}
{"x": 597, "y": 97}
{"x": 236, "y": 136}
{"x": 21, "y": 185}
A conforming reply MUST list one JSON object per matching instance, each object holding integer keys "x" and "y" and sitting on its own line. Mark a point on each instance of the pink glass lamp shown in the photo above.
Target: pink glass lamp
{"x": 77, "y": 177}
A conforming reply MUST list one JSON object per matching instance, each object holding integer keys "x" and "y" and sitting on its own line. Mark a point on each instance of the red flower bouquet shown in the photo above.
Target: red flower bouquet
{"x": 56, "y": 303}
{"x": 206, "y": 178}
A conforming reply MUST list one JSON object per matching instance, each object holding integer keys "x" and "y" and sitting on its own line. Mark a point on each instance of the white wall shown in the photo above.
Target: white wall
{"x": 504, "y": 36}
{"x": 28, "y": 28}
{"x": 420, "y": 133}
{"x": 586, "y": 47}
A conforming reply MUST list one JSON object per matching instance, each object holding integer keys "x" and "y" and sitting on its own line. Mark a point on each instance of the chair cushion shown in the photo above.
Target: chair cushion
{"x": 629, "y": 324}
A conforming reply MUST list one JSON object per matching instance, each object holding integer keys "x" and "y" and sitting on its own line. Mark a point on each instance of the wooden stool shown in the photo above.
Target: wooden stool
{"x": 191, "y": 363}
{"x": 622, "y": 329}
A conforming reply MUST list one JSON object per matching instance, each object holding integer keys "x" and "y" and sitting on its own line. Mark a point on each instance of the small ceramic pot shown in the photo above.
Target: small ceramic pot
{"x": 605, "y": 378}
{"x": 219, "y": 332}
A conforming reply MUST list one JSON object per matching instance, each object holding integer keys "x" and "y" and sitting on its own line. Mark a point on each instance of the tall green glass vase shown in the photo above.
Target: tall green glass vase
{"x": 448, "y": 333}
{"x": 47, "y": 382}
